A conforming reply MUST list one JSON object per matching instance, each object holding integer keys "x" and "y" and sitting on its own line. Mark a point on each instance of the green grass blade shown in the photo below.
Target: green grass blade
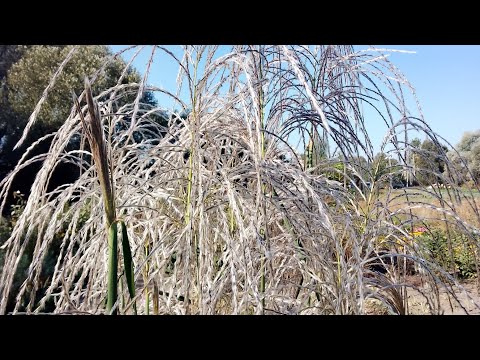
{"x": 128, "y": 263}
{"x": 112, "y": 267}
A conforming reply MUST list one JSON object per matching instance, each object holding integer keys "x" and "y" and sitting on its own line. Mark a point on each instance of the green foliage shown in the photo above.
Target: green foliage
{"x": 7, "y": 224}
{"x": 469, "y": 151}
{"x": 380, "y": 165}
{"x": 386, "y": 171}
{"x": 461, "y": 257}
{"x": 18, "y": 207}
{"x": 25, "y": 72}
{"x": 316, "y": 151}
{"x": 128, "y": 263}
{"x": 6, "y": 227}
{"x": 436, "y": 244}
{"x": 428, "y": 161}
{"x": 10, "y": 121}
{"x": 28, "y": 78}
{"x": 9, "y": 55}
{"x": 465, "y": 261}
{"x": 5, "y": 231}
{"x": 112, "y": 267}
{"x": 21, "y": 274}
{"x": 335, "y": 170}
{"x": 416, "y": 143}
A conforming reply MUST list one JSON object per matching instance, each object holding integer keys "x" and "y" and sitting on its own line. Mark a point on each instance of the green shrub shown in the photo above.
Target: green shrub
{"x": 21, "y": 274}
{"x": 6, "y": 225}
{"x": 464, "y": 255}
{"x": 4, "y": 234}
{"x": 461, "y": 257}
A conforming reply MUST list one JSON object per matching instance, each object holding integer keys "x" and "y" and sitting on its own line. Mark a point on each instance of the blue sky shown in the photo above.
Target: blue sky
{"x": 446, "y": 79}
{"x": 447, "y": 83}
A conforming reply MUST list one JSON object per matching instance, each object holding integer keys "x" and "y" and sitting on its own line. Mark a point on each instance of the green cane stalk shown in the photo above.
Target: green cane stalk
{"x": 146, "y": 271}
{"x": 112, "y": 267}
{"x": 264, "y": 188}
{"x": 94, "y": 132}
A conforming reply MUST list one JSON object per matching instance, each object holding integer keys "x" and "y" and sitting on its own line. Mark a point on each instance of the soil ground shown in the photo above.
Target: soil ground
{"x": 467, "y": 298}
{"x": 417, "y": 305}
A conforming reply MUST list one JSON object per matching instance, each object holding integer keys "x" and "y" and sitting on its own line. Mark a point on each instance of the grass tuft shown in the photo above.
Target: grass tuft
{"x": 263, "y": 195}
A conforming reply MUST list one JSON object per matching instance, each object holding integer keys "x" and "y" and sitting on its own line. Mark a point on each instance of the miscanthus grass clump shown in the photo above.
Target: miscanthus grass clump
{"x": 263, "y": 194}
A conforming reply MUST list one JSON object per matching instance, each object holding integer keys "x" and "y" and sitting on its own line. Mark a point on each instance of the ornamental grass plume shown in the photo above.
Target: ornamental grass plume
{"x": 263, "y": 194}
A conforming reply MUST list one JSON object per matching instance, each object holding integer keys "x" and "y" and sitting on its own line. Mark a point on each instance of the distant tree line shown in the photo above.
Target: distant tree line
{"x": 428, "y": 162}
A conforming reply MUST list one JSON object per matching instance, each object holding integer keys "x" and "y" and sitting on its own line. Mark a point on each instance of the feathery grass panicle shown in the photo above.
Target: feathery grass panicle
{"x": 248, "y": 185}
